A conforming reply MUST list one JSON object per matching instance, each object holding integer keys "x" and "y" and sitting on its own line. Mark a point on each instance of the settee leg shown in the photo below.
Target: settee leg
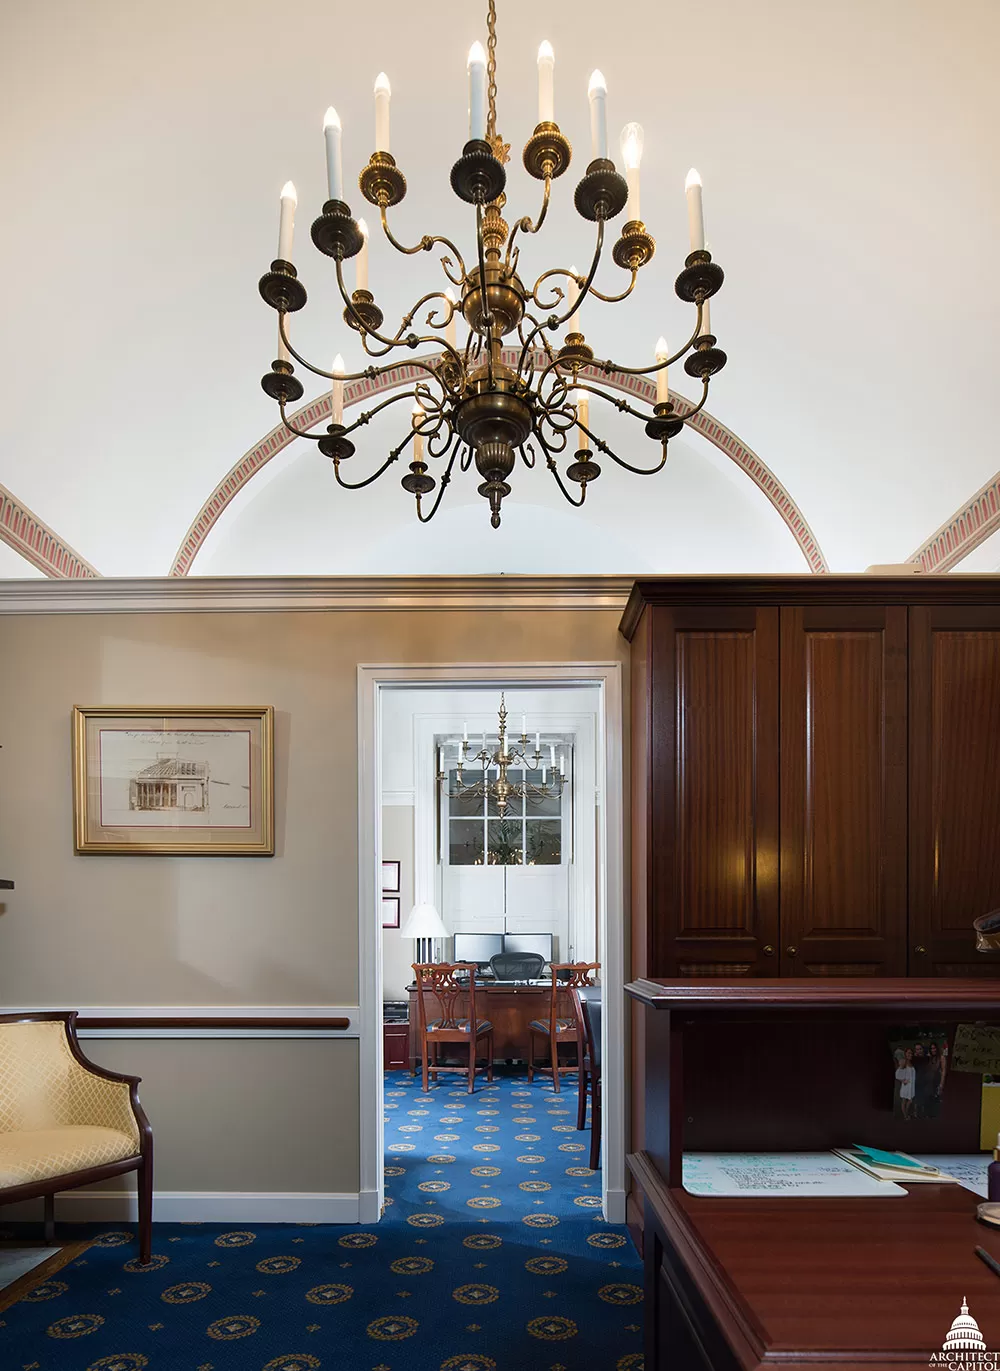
{"x": 145, "y": 1179}
{"x": 49, "y": 1218}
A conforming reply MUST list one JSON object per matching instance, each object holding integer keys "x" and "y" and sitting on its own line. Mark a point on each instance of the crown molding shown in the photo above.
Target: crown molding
{"x": 367, "y": 594}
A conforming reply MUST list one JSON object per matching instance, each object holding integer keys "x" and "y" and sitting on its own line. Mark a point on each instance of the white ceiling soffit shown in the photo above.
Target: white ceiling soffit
{"x": 848, "y": 154}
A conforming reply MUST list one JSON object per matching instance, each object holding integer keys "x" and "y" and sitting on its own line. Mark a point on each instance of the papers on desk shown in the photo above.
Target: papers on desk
{"x": 969, "y": 1170}
{"x": 779, "y": 1173}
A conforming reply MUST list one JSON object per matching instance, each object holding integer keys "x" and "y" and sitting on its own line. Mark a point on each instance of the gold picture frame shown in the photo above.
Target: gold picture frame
{"x": 174, "y": 781}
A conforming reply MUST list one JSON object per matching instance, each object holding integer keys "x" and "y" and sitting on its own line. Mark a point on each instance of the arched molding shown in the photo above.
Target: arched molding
{"x": 355, "y": 392}
{"x": 969, "y": 526}
{"x": 26, "y": 534}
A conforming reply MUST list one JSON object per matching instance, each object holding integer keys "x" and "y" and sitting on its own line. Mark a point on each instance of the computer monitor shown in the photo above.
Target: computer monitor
{"x": 529, "y": 942}
{"x": 477, "y": 947}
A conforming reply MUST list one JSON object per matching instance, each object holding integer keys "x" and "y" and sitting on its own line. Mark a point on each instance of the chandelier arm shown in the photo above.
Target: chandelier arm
{"x": 425, "y": 245}
{"x": 602, "y": 447}
{"x": 524, "y": 449}
{"x": 411, "y": 341}
{"x": 609, "y": 365}
{"x": 616, "y": 299}
{"x": 362, "y": 419}
{"x": 526, "y": 226}
{"x": 587, "y": 282}
{"x": 441, "y": 489}
{"x": 558, "y": 480}
{"x": 392, "y": 457}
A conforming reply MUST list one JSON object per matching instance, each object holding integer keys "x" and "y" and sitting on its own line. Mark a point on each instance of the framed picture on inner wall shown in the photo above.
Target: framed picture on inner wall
{"x": 390, "y": 878}
{"x": 390, "y": 911}
{"x": 180, "y": 781}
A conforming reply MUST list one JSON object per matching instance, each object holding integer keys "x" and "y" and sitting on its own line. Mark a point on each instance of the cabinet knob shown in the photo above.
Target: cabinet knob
{"x": 791, "y": 951}
{"x": 768, "y": 950}
{"x": 920, "y": 951}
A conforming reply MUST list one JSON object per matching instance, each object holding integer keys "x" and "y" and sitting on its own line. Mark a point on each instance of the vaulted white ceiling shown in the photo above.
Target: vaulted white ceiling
{"x": 849, "y": 156}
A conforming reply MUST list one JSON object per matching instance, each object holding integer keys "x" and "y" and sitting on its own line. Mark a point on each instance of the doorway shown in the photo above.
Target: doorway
{"x": 575, "y": 933}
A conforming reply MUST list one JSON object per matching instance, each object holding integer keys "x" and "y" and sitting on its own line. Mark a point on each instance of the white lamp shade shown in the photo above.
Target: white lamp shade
{"x": 423, "y": 921}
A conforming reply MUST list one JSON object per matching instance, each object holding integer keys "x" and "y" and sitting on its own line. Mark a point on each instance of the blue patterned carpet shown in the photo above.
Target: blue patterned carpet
{"x": 492, "y": 1256}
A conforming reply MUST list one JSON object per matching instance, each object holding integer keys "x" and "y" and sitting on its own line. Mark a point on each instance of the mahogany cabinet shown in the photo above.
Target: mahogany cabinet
{"x": 816, "y": 789}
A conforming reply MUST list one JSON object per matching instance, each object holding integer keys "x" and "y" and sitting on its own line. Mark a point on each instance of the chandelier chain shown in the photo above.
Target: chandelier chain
{"x": 491, "y": 70}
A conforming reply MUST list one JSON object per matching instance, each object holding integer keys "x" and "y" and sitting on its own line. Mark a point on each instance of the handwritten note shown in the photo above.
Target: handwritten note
{"x": 977, "y": 1048}
{"x": 778, "y": 1173}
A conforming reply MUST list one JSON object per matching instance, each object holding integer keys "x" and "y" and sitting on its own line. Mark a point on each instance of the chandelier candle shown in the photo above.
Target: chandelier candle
{"x": 662, "y": 385}
{"x": 477, "y": 92}
{"x": 598, "y": 94}
{"x": 582, "y": 419}
{"x": 382, "y": 93}
{"x": 546, "y": 83}
{"x": 286, "y": 221}
{"x": 334, "y": 159}
{"x": 696, "y": 214}
{"x": 337, "y": 391}
{"x": 507, "y": 404}
{"x": 631, "y": 144}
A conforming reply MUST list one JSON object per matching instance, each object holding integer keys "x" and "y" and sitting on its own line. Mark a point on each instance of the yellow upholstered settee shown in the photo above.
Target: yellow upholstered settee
{"x": 64, "y": 1121}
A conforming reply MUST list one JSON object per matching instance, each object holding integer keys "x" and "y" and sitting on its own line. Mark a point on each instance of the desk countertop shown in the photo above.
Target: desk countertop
{"x": 855, "y": 1282}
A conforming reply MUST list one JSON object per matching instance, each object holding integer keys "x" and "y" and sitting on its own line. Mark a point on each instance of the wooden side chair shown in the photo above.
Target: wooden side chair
{"x": 562, "y": 1028}
{"x": 588, "y": 1006}
{"x": 65, "y": 1121}
{"x": 447, "y": 1016}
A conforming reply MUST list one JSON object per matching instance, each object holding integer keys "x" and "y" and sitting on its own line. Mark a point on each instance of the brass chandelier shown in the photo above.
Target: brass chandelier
{"x": 470, "y": 407}
{"x": 501, "y": 759}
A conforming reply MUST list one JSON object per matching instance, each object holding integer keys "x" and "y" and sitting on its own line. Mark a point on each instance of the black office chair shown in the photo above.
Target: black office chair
{"x": 588, "y": 1000}
{"x": 517, "y": 966}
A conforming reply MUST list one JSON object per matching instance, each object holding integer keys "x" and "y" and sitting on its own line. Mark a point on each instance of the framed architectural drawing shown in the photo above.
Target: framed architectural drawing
{"x": 390, "y": 911}
{"x": 390, "y": 878}
{"x": 186, "y": 781}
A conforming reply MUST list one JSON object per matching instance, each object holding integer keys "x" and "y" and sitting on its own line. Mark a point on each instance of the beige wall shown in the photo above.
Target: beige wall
{"x": 397, "y": 952}
{"x": 148, "y": 931}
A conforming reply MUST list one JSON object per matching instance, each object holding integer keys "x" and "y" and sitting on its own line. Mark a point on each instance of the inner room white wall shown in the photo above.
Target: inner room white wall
{"x": 411, "y": 719}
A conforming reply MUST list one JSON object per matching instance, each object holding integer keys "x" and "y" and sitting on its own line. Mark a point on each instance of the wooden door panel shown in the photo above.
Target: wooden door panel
{"x": 955, "y": 791}
{"x": 714, "y": 783}
{"x": 843, "y": 790}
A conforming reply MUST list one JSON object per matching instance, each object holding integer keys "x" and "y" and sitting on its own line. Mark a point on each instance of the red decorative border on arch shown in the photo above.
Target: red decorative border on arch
{"x": 37, "y": 544}
{"x": 969, "y": 526}
{"x": 641, "y": 387}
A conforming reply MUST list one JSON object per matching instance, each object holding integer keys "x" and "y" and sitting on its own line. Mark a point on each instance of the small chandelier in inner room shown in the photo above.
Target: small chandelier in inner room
{"x": 484, "y": 402}
{"x": 500, "y": 759}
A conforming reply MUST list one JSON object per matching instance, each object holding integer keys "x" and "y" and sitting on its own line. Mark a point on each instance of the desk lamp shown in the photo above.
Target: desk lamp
{"x": 423, "y": 923}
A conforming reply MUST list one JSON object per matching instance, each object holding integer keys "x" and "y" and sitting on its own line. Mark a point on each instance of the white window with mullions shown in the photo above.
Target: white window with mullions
{"x": 531, "y": 833}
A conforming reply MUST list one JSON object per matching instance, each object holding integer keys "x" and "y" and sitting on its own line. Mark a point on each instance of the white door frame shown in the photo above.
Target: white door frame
{"x": 610, "y": 890}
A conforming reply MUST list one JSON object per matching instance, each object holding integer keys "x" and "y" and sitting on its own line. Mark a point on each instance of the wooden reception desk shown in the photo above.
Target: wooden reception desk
{"x": 794, "y": 1065}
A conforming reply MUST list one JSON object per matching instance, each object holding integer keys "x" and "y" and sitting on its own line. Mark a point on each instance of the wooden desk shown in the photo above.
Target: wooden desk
{"x": 509, "y": 1008}
{"x": 741, "y": 1284}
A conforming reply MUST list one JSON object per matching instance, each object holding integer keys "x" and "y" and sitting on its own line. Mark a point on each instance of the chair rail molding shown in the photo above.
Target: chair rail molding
{"x": 209, "y": 1021}
{"x": 201, "y": 1206}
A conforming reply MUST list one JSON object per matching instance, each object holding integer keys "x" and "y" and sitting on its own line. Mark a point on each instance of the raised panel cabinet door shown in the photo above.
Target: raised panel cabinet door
{"x": 954, "y": 785}
{"x": 713, "y": 778}
{"x": 843, "y": 790}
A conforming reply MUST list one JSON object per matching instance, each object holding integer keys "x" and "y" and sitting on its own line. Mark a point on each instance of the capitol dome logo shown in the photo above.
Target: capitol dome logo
{"x": 964, "y": 1347}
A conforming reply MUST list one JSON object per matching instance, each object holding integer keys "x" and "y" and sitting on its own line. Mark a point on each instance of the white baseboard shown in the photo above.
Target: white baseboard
{"x": 615, "y": 1206}
{"x": 205, "y": 1206}
{"x": 368, "y": 1207}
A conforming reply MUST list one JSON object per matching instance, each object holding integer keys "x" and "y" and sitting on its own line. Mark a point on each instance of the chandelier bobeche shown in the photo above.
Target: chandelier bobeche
{"x": 472, "y": 406}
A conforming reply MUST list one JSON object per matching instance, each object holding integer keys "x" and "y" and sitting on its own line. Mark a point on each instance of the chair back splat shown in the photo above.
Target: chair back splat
{"x": 447, "y": 1015}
